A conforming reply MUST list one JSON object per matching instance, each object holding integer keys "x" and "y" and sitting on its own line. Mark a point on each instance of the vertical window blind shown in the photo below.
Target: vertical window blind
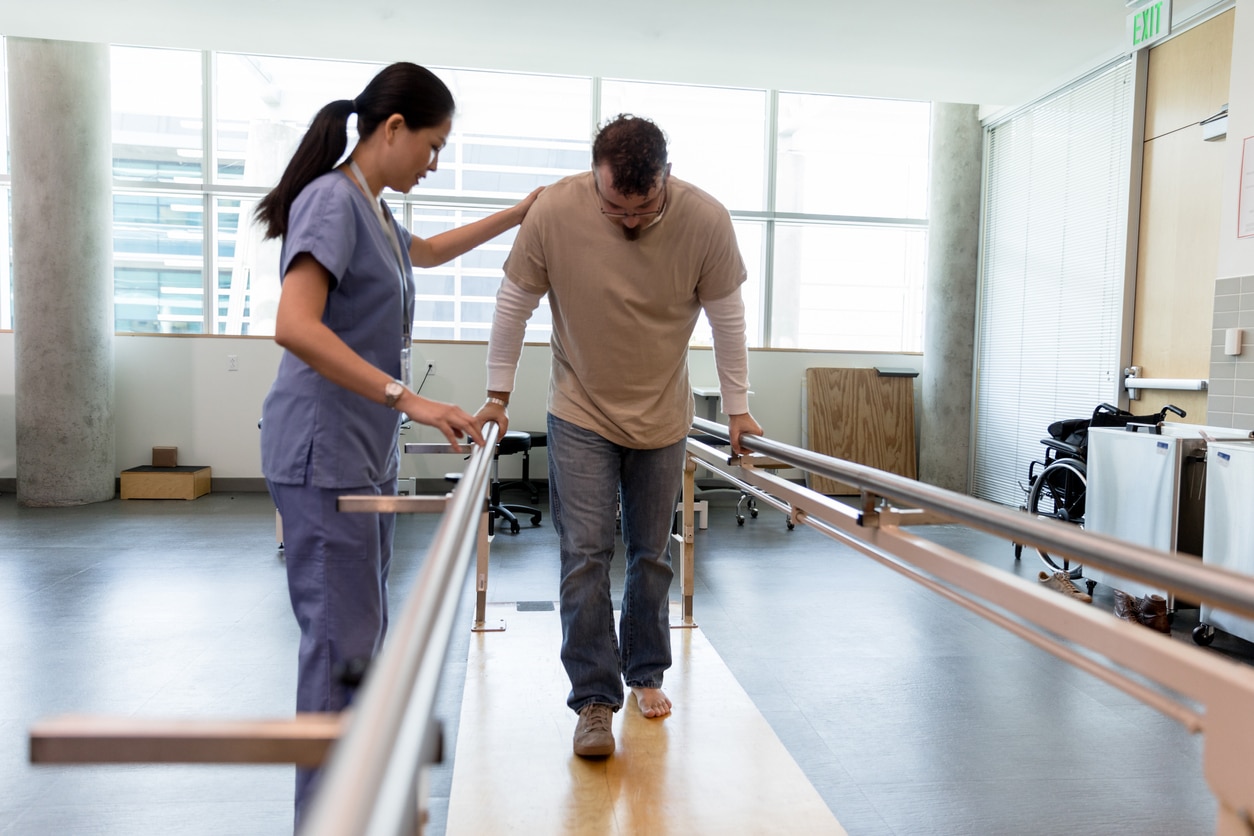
{"x": 1052, "y": 283}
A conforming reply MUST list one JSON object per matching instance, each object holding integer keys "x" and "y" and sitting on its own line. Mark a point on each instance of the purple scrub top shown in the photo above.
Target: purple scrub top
{"x": 313, "y": 431}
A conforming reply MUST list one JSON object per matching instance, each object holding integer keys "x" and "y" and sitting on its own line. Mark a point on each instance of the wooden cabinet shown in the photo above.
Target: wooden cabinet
{"x": 861, "y": 415}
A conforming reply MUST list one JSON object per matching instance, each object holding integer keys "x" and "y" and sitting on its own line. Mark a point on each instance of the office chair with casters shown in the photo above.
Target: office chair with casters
{"x": 538, "y": 439}
{"x": 513, "y": 442}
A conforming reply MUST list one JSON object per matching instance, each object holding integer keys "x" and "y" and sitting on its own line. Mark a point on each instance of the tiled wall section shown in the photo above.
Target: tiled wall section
{"x": 1231, "y": 399}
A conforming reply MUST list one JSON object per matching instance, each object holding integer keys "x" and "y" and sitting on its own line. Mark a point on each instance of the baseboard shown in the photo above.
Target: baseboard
{"x": 220, "y": 485}
{"x": 233, "y": 484}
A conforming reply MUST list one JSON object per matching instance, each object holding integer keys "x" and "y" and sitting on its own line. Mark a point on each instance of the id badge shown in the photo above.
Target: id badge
{"x": 406, "y": 368}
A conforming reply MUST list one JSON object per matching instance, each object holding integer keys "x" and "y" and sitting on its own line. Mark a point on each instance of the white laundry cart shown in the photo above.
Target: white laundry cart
{"x": 1229, "y": 537}
{"x": 1149, "y": 489}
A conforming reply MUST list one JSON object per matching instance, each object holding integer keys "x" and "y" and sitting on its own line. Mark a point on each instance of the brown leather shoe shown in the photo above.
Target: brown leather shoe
{"x": 1127, "y": 607}
{"x": 1152, "y": 612}
{"x": 594, "y": 733}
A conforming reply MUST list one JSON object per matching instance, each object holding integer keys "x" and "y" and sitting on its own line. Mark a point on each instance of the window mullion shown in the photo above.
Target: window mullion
{"x": 208, "y": 171}
{"x": 768, "y": 242}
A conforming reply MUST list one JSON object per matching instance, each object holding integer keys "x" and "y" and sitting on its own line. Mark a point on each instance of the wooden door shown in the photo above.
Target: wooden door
{"x": 1181, "y": 187}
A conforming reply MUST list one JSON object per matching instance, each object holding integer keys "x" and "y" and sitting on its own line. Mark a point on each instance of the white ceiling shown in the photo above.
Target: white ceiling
{"x": 987, "y": 52}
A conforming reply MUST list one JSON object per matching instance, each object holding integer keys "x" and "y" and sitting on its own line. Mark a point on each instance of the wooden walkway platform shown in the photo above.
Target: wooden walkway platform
{"x": 714, "y": 766}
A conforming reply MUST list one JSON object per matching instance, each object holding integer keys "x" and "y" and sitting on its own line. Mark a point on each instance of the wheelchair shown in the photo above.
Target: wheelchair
{"x": 1057, "y": 485}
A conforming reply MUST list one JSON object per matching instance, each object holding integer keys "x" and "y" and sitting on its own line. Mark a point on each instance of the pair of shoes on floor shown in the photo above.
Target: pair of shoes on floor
{"x": 1150, "y": 610}
{"x": 594, "y": 733}
{"x": 1061, "y": 582}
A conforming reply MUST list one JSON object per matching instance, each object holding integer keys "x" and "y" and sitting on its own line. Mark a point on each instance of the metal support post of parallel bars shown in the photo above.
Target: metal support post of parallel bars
{"x": 687, "y": 544}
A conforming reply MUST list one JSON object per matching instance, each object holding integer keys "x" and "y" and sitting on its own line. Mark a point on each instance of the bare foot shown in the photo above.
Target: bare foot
{"x": 652, "y": 702}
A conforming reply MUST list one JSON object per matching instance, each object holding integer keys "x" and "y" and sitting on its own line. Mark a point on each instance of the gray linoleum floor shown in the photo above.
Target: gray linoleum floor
{"x": 909, "y": 714}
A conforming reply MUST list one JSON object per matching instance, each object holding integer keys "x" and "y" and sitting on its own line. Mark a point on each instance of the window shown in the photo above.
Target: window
{"x": 158, "y": 236}
{"x": 6, "y": 214}
{"x": 827, "y": 194}
{"x": 4, "y": 111}
{"x": 512, "y": 133}
{"x": 851, "y": 240}
{"x": 263, "y": 105}
{"x": 6, "y": 260}
{"x": 846, "y": 222}
{"x": 716, "y": 137}
{"x": 157, "y": 116}
{"x": 852, "y": 157}
{"x": 158, "y": 251}
{"x": 455, "y": 301}
{"x": 246, "y": 288}
{"x": 848, "y": 287}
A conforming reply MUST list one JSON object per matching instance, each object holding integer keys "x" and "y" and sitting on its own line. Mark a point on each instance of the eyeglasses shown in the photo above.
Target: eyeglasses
{"x": 652, "y": 213}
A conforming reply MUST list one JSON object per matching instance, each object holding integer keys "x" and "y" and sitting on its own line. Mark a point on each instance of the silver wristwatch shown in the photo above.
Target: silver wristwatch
{"x": 392, "y": 393}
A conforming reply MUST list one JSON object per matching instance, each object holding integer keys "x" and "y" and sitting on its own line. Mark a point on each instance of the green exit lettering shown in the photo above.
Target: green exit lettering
{"x": 1147, "y": 24}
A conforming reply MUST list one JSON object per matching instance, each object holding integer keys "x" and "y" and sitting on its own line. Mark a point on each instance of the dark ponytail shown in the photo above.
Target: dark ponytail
{"x": 408, "y": 89}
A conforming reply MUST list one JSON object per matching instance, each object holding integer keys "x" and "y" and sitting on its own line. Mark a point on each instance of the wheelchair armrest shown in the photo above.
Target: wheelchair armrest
{"x": 1061, "y": 446}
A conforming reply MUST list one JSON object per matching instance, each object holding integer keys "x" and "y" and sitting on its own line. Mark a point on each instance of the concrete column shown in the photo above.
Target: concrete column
{"x": 62, "y": 271}
{"x": 952, "y": 283}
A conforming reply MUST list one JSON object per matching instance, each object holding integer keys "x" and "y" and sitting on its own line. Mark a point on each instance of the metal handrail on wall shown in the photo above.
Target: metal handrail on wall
{"x": 1205, "y": 692}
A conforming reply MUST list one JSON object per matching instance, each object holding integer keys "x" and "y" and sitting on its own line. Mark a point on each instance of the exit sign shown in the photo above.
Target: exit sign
{"x": 1149, "y": 24}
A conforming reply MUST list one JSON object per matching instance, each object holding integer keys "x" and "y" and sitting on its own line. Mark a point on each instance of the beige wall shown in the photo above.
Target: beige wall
{"x": 177, "y": 391}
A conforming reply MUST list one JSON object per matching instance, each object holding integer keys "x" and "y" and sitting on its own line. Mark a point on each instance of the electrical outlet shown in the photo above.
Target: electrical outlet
{"x": 431, "y": 369}
{"x": 232, "y": 362}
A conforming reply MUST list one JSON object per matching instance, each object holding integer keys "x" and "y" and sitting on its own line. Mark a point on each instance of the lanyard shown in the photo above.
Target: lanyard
{"x": 390, "y": 232}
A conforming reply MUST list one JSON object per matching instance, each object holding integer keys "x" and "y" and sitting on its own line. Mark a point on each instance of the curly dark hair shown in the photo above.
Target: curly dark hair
{"x": 635, "y": 149}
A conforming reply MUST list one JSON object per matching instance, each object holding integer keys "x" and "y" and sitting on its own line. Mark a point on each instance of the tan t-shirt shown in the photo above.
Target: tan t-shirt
{"x": 623, "y": 311}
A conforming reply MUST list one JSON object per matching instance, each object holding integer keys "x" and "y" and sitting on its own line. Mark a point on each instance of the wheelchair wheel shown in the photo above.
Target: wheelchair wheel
{"x": 1058, "y": 493}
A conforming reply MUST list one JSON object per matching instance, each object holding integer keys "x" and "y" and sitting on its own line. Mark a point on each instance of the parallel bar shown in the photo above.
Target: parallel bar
{"x": 1224, "y": 689}
{"x": 371, "y": 783}
{"x": 1183, "y": 715}
{"x": 1177, "y": 666}
{"x": 1186, "y": 577}
{"x": 78, "y": 739}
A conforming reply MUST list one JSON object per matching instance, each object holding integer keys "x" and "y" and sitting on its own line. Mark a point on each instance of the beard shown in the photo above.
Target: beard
{"x": 631, "y": 233}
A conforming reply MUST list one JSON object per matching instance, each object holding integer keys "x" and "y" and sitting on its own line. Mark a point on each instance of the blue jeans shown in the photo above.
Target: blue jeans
{"x": 587, "y": 474}
{"x": 337, "y": 579}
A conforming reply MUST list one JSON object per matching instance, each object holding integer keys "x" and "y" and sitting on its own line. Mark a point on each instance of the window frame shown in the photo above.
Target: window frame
{"x": 212, "y": 190}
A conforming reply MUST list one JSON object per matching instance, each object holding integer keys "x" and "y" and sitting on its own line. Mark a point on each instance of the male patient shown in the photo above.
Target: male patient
{"x": 629, "y": 256}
